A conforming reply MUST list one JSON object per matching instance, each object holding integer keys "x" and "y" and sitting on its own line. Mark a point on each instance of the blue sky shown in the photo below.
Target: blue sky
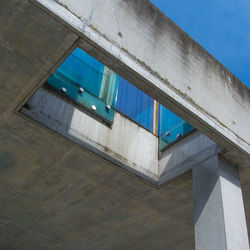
{"x": 222, "y": 27}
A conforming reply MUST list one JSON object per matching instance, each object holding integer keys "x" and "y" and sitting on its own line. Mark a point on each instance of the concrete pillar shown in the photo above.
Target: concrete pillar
{"x": 219, "y": 214}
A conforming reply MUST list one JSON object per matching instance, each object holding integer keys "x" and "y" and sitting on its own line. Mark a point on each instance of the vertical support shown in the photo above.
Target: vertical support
{"x": 219, "y": 214}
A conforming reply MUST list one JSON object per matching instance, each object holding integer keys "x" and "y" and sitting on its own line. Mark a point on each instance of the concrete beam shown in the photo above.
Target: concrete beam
{"x": 220, "y": 222}
{"x": 182, "y": 156}
{"x": 140, "y": 43}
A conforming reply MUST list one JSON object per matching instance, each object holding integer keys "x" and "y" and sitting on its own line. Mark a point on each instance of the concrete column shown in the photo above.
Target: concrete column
{"x": 219, "y": 214}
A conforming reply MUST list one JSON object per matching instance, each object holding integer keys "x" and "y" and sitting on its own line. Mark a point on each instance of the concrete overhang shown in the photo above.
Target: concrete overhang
{"x": 144, "y": 46}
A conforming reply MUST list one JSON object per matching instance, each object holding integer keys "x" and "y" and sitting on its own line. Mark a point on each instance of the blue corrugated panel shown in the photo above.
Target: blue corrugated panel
{"x": 135, "y": 104}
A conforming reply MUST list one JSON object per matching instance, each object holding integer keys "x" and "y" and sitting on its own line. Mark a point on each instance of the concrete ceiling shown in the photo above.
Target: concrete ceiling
{"x": 56, "y": 195}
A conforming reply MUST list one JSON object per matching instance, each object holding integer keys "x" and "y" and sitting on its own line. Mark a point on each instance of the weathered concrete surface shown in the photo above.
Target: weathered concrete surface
{"x": 126, "y": 143}
{"x": 31, "y": 43}
{"x": 220, "y": 222}
{"x": 55, "y": 195}
{"x": 136, "y": 40}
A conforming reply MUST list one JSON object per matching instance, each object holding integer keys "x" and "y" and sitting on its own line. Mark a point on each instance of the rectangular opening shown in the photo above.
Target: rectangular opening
{"x": 101, "y": 92}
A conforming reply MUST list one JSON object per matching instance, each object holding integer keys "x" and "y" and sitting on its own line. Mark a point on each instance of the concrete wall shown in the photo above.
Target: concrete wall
{"x": 126, "y": 143}
{"x": 136, "y": 40}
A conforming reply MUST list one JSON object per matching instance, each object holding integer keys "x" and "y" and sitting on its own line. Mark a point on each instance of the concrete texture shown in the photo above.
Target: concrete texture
{"x": 56, "y": 195}
{"x": 126, "y": 143}
{"x": 136, "y": 40}
{"x": 29, "y": 49}
{"x": 220, "y": 222}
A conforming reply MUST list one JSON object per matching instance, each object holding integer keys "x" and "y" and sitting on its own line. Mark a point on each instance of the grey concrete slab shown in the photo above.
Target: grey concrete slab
{"x": 31, "y": 43}
{"x": 84, "y": 202}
